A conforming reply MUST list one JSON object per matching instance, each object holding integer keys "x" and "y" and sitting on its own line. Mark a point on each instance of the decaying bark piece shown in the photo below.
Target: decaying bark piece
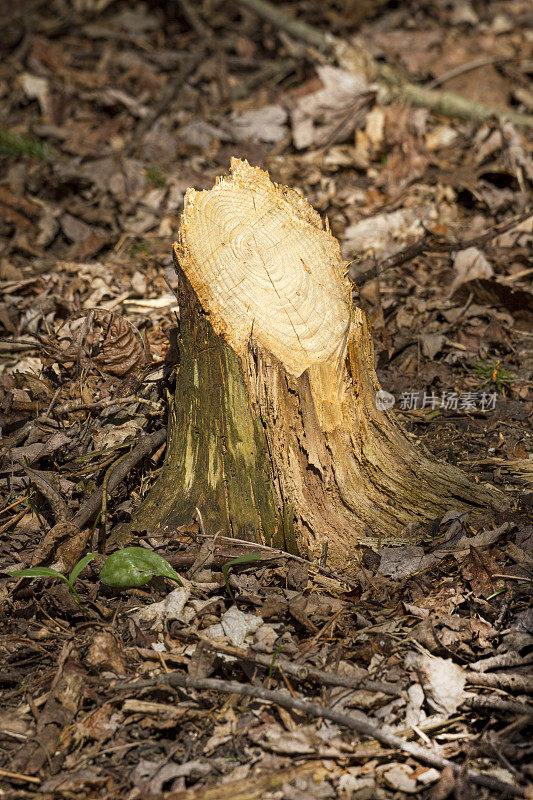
{"x": 274, "y": 432}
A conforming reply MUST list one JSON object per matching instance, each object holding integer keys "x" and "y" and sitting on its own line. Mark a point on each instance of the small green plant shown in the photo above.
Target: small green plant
{"x": 245, "y": 559}
{"x": 155, "y": 178}
{"x": 491, "y": 372}
{"x": 275, "y": 654}
{"x": 18, "y": 144}
{"x": 140, "y": 249}
{"x": 46, "y": 572}
{"x": 135, "y": 566}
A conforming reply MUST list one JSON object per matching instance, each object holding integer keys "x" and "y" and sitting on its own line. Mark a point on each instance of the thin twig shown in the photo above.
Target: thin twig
{"x": 195, "y": 21}
{"x": 282, "y": 554}
{"x": 147, "y": 445}
{"x": 291, "y": 25}
{"x": 487, "y": 61}
{"x": 167, "y": 100}
{"x": 509, "y": 681}
{"x": 13, "y": 521}
{"x": 67, "y": 408}
{"x": 430, "y": 244}
{"x": 104, "y": 520}
{"x": 495, "y": 704}
{"x": 200, "y": 520}
{"x": 13, "y": 346}
{"x": 4, "y": 509}
{"x": 19, "y": 776}
{"x": 108, "y": 402}
{"x": 362, "y": 724}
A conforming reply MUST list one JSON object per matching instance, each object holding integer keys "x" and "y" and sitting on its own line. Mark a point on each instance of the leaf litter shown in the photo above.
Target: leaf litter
{"x": 110, "y": 114}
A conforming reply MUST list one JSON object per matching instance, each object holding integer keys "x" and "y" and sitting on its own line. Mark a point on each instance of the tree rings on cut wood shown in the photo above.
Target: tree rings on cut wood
{"x": 260, "y": 261}
{"x": 274, "y": 431}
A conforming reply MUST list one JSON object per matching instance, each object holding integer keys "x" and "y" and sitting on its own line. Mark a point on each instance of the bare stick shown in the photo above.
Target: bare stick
{"x": 11, "y": 346}
{"x": 482, "y": 703}
{"x": 43, "y": 485}
{"x": 200, "y": 520}
{"x": 295, "y": 27}
{"x": 361, "y": 724}
{"x": 19, "y": 776}
{"x": 468, "y": 67}
{"x": 104, "y": 517}
{"x": 508, "y": 681}
{"x": 108, "y": 402}
{"x": 446, "y": 103}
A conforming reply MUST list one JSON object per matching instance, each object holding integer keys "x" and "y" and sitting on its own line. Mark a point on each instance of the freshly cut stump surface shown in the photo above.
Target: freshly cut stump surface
{"x": 261, "y": 262}
{"x": 274, "y": 433}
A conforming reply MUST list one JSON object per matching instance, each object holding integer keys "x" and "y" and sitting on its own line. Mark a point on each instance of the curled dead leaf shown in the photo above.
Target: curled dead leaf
{"x": 120, "y": 350}
{"x": 104, "y": 339}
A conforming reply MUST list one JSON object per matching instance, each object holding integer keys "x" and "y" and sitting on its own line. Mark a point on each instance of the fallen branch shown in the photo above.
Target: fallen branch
{"x": 11, "y": 523}
{"x": 67, "y": 408}
{"x": 446, "y": 103}
{"x": 301, "y": 672}
{"x": 361, "y": 724}
{"x": 12, "y": 346}
{"x": 394, "y": 86}
{"x": 18, "y": 776}
{"x": 486, "y": 61}
{"x": 103, "y": 516}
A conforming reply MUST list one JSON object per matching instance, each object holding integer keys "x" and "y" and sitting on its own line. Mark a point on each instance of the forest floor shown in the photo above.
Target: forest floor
{"x": 110, "y": 110}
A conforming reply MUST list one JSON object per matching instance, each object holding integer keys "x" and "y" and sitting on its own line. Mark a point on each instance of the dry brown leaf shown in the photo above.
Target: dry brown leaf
{"x": 442, "y": 680}
{"x": 332, "y": 113}
{"x": 107, "y": 340}
{"x": 266, "y": 124}
{"x": 69, "y": 552}
{"x": 105, "y": 652}
{"x": 470, "y": 264}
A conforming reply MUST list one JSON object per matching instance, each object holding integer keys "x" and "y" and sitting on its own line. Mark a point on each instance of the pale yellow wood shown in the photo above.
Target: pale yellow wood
{"x": 259, "y": 259}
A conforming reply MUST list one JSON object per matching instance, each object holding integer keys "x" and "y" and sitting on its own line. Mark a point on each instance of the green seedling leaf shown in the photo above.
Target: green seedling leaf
{"x": 47, "y": 572}
{"x": 37, "y": 572}
{"x": 135, "y": 566}
{"x": 82, "y": 563}
{"x": 245, "y": 559}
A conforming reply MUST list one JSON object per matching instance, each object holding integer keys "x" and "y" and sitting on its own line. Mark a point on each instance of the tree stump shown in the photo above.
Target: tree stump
{"x": 274, "y": 431}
